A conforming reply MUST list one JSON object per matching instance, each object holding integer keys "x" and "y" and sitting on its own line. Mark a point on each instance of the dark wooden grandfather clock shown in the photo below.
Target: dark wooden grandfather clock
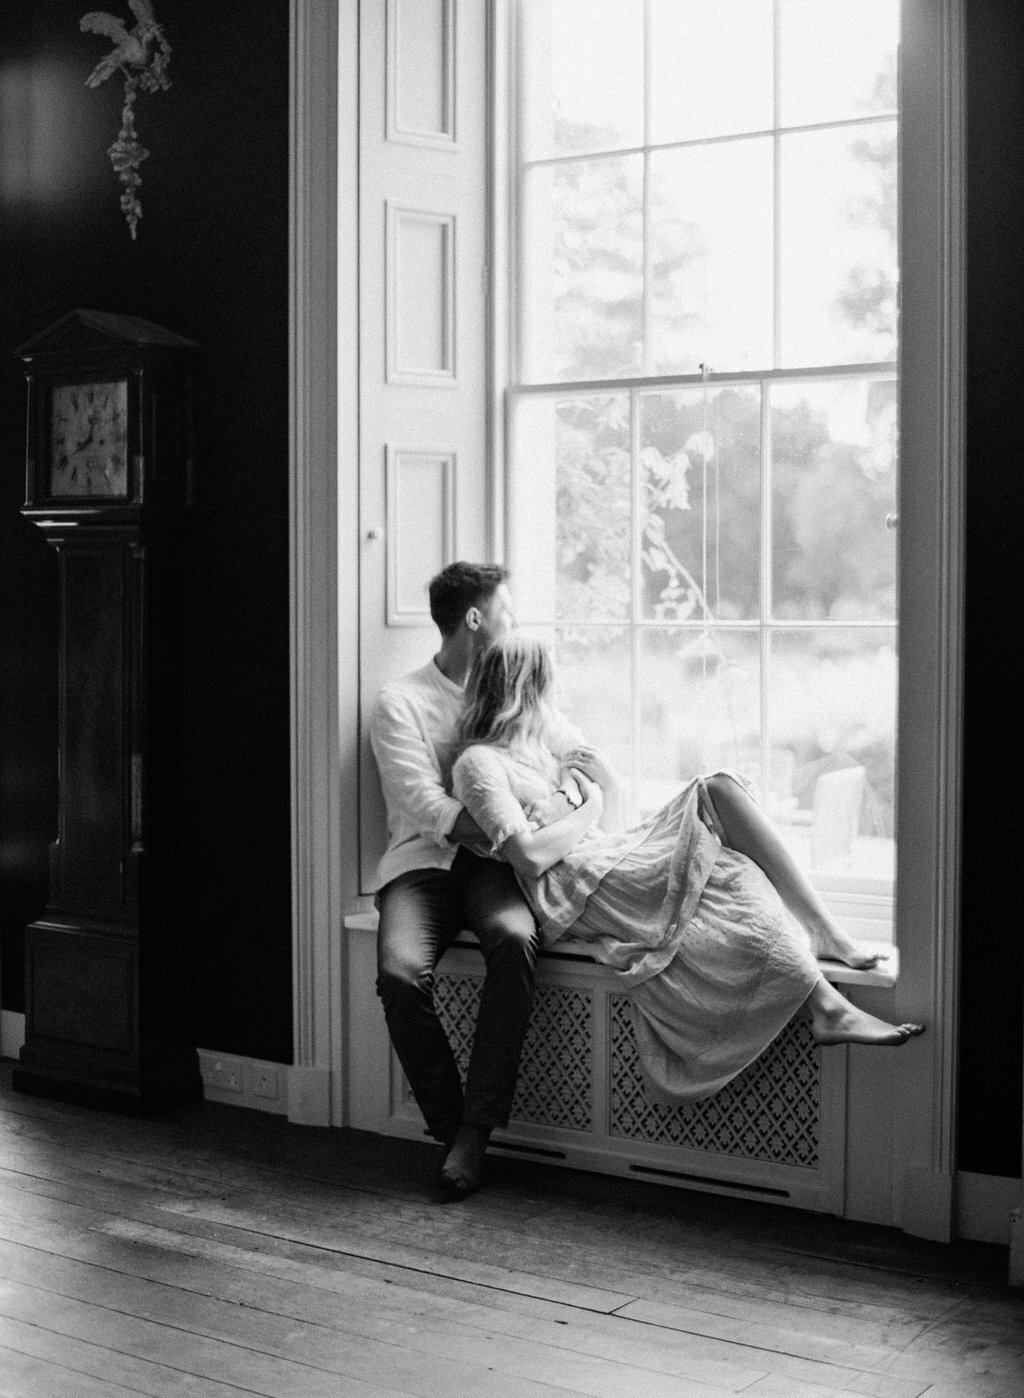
{"x": 109, "y": 464}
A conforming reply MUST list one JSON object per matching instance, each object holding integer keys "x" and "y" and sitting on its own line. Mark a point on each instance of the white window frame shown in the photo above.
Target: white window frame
{"x": 925, "y": 907}
{"x": 324, "y": 553}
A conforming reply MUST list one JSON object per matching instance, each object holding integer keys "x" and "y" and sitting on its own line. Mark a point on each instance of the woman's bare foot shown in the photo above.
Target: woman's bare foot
{"x": 846, "y": 1024}
{"x": 833, "y": 944}
{"x": 834, "y": 1020}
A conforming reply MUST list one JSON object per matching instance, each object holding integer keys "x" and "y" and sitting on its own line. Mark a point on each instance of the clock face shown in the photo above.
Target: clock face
{"x": 89, "y": 426}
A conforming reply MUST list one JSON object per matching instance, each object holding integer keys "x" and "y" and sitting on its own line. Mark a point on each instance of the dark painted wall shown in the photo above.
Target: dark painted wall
{"x": 993, "y": 961}
{"x": 211, "y": 262}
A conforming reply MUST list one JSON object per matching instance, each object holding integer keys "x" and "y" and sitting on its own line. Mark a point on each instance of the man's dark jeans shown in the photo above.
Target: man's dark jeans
{"x": 421, "y": 913}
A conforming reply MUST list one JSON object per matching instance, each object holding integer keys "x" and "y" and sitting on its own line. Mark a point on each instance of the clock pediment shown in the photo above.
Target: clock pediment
{"x": 83, "y": 331}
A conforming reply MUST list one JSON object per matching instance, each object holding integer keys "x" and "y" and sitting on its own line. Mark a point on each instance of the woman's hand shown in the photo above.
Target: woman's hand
{"x": 592, "y": 765}
{"x": 590, "y": 789}
{"x": 589, "y": 761}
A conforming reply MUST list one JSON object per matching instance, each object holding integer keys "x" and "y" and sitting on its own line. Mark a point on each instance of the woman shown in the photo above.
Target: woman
{"x": 689, "y": 906}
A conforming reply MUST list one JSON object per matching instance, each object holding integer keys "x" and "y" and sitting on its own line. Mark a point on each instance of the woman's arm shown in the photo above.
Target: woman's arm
{"x": 532, "y": 852}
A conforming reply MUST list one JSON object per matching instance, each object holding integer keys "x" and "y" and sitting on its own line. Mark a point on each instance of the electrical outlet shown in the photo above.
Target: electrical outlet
{"x": 261, "y": 1080}
{"x": 224, "y": 1074}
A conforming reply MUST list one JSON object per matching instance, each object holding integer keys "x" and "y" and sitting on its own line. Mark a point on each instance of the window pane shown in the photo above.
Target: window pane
{"x": 582, "y": 74}
{"x": 593, "y": 505}
{"x": 570, "y": 509}
{"x": 581, "y": 269}
{"x": 710, "y": 232}
{"x": 832, "y": 705}
{"x": 699, "y": 706}
{"x": 711, "y": 68}
{"x": 837, "y": 61}
{"x": 837, "y": 259}
{"x": 833, "y": 453}
{"x": 592, "y": 668}
{"x": 700, "y": 463}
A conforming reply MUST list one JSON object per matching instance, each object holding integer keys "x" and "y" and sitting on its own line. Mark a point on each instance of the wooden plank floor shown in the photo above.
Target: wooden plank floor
{"x": 219, "y": 1252}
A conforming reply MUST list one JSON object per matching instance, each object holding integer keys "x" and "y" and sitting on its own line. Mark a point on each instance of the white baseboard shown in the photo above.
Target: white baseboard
{"x": 244, "y": 1082}
{"x": 227, "y": 1077}
{"x": 984, "y": 1204}
{"x": 12, "y": 1033}
{"x": 302, "y": 1094}
{"x": 309, "y": 1096}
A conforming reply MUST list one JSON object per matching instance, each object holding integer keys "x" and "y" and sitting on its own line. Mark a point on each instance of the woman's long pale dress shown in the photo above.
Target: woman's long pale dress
{"x": 714, "y": 964}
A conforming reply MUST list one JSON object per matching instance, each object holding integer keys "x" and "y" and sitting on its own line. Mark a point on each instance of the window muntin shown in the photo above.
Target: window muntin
{"x": 703, "y": 433}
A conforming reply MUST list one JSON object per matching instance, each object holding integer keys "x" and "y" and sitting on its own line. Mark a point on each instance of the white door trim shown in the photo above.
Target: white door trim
{"x": 313, "y": 322}
{"x": 932, "y": 189}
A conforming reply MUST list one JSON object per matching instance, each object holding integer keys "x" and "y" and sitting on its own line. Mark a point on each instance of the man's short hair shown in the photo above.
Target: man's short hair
{"x": 459, "y": 587}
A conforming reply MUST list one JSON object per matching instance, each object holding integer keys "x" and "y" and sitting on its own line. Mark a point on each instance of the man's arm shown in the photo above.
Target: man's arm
{"x": 409, "y": 775}
{"x": 411, "y": 781}
{"x": 465, "y": 831}
{"x": 532, "y": 852}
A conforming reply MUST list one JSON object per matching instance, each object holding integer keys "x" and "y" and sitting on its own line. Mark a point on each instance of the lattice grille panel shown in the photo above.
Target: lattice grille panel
{"x": 770, "y": 1112}
{"x": 556, "y": 1074}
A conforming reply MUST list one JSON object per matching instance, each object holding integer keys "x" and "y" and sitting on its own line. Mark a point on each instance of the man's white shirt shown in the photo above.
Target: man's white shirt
{"x": 413, "y": 732}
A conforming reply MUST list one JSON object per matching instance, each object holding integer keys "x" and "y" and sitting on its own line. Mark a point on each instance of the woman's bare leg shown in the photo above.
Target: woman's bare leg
{"x": 834, "y": 1020}
{"x": 748, "y": 830}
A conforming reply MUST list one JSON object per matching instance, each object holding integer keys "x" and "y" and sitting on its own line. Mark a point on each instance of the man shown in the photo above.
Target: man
{"x": 436, "y": 879}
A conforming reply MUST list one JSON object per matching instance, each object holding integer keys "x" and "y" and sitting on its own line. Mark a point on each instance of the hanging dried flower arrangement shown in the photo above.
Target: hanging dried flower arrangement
{"x": 142, "y": 55}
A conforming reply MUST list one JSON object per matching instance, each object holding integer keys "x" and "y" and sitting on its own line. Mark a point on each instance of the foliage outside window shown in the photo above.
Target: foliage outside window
{"x": 703, "y": 416}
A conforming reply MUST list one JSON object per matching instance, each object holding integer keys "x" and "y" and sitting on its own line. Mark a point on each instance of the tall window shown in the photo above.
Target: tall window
{"x": 703, "y": 416}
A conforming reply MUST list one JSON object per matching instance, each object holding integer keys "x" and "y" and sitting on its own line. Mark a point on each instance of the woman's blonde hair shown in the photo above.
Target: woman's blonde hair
{"x": 507, "y": 693}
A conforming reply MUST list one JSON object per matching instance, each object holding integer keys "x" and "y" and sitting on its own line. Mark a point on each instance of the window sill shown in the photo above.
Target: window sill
{"x": 883, "y": 976}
